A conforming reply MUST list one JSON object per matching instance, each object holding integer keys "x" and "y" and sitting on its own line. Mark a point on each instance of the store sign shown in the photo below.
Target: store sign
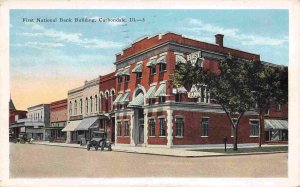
{"x": 194, "y": 92}
{"x": 193, "y": 57}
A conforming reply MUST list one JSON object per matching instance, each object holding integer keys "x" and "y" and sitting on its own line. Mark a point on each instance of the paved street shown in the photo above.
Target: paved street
{"x": 29, "y": 160}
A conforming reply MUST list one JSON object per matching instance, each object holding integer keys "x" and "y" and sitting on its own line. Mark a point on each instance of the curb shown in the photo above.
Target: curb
{"x": 188, "y": 156}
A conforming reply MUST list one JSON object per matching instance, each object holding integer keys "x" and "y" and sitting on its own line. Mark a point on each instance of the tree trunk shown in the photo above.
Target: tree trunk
{"x": 235, "y": 148}
{"x": 261, "y": 128}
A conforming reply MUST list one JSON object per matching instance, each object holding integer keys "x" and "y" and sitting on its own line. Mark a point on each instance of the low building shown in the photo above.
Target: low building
{"x": 14, "y": 116}
{"x": 58, "y": 120}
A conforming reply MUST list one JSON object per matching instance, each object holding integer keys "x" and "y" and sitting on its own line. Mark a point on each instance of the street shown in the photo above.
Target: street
{"x": 29, "y": 160}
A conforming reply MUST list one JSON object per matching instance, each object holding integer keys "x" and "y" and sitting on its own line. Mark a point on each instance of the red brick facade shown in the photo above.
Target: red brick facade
{"x": 58, "y": 111}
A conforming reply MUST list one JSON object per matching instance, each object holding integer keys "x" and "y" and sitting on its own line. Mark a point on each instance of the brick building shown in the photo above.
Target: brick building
{"x": 150, "y": 111}
{"x": 58, "y": 119}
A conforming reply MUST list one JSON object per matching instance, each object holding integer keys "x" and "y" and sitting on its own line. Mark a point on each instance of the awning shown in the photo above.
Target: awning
{"x": 162, "y": 60}
{"x": 161, "y": 91}
{"x": 117, "y": 100}
{"x": 71, "y": 126}
{"x": 17, "y": 125}
{"x": 151, "y": 62}
{"x": 180, "y": 59}
{"x": 86, "y": 123}
{"x": 126, "y": 71}
{"x": 138, "y": 100}
{"x": 275, "y": 124}
{"x": 151, "y": 92}
{"x": 181, "y": 90}
{"x": 125, "y": 98}
{"x": 137, "y": 68}
{"x": 119, "y": 73}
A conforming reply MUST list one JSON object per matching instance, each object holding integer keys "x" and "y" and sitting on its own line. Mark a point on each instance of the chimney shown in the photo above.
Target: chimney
{"x": 219, "y": 39}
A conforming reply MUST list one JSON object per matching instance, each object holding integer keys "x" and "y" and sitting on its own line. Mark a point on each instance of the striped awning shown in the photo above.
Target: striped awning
{"x": 180, "y": 59}
{"x": 86, "y": 123}
{"x": 275, "y": 124}
{"x": 152, "y": 62}
{"x": 181, "y": 90}
{"x": 117, "y": 100}
{"x": 138, "y": 100}
{"x": 161, "y": 91}
{"x": 137, "y": 68}
{"x": 126, "y": 71}
{"x": 151, "y": 92}
{"x": 162, "y": 60}
{"x": 71, "y": 126}
{"x": 125, "y": 98}
{"x": 119, "y": 73}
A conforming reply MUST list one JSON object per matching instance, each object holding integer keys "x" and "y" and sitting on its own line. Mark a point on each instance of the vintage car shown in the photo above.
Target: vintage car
{"x": 22, "y": 138}
{"x": 99, "y": 139}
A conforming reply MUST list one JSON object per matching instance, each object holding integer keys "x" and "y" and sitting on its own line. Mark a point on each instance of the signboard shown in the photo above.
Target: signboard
{"x": 194, "y": 92}
{"x": 193, "y": 57}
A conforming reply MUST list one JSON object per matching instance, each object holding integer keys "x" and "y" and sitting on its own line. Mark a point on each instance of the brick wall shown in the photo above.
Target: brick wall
{"x": 58, "y": 110}
{"x": 123, "y": 139}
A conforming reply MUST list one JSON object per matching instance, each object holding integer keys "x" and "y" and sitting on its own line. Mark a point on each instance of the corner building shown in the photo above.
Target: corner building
{"x": 150, "y": 111}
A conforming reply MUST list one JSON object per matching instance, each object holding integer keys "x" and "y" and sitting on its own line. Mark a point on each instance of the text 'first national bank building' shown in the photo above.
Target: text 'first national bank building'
{"x": 150, "y": 111}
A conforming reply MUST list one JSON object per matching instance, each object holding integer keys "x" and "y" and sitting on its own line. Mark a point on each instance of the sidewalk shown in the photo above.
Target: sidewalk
{"x": 177, "y": 152}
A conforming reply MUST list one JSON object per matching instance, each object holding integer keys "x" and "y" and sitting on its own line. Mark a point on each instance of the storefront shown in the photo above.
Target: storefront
{"x": 86, "y": 127}
{"x": 276, "y": 130}
{"x": 70, "y": 131}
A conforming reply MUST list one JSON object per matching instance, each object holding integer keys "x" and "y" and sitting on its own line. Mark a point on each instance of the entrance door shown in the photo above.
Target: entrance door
{"x": 141, "y": 134}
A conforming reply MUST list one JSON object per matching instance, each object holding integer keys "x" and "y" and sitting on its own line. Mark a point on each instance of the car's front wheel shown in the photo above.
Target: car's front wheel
{"x": 109, "y": 148}
{"x": 96, "y": 147}
{"x": 88, "y": 147}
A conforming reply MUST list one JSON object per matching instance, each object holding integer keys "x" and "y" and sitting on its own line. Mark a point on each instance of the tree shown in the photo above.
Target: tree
{"x": 269, "y": 86}
{"x": 230, "y": 86}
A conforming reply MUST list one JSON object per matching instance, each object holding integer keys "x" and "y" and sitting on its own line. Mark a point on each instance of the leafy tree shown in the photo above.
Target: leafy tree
{"x": 269, "y": 86}
{"x": 230, "y": 86}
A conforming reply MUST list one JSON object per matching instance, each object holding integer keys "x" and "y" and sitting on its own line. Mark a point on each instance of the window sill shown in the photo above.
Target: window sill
{"x": 151, "y": 136}
{"x": 153, "y": 74}
{"x": 126, "y": 136}
{"x": 204, "y": 136}
{"x": 178, "y": 136}
{"x": 163, "y": 71}
{"x": 162, "y": 136}
{"x": 253, "y": 136}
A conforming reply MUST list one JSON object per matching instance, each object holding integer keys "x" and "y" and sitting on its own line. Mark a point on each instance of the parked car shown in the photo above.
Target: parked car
{"x": 99, "y": 139}
{"x": 23, "y": 138}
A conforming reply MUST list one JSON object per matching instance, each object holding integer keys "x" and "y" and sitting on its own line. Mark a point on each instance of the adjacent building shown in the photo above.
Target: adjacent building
{"x": 14, "y": 116}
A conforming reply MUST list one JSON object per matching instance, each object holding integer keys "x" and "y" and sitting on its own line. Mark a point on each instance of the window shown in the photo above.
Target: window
{"x": 41, "y": 115}
{"x": 178, "y": 97}
{"x": 119, "y": 79}
{"x": 267, "y": 111}
{"x": 152, "y": 70}
{"x": 162, "y": 99}
{"x": 96, "y": 103}
{"x": 152, "y": 127}
{"x": 162, "y": 67}
{"x": 278, "y": 107}
{"x": 139, "y": 75}
{"x": 80, "y": 104}
{"x": 179, "y": 126}
{"x": 70, "y": 108}
{"x": 119, "y": 129}
{"x": 86, "y": 105}
{"x": 75, "y": 107}
{"x": 126, "y": 125}
{"x": 254, "y": 130}
{"x": 162, "y": 127}
{"x": 119, "y": 106}
{"x": 151, "y": 101}
{"x": 204, "y": 126}
{"x": 232, "y": 129}
{"x": 102, "y": 124}
{"x": 127, "y": 78}
{"x": 91, "y": 103}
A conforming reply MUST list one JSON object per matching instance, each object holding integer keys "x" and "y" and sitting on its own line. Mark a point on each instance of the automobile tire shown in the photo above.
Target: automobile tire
{"x": 88, "y": 147}
{"x": 96, "y": 147}
{"x": 109, "y": 148}
{"x": 102, "y": 147}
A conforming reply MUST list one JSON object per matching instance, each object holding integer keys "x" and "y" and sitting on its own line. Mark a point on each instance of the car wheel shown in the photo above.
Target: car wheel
{"x": 109, "y": 148}
{"x": 96, "y": 147}
{"x": 88, "y": 147}
{"x": 102, "y": 147}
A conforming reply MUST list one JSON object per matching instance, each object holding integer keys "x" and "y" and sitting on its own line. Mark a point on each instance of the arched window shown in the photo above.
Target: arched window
{"x": 96, "y": 103}
{"x": 86, "y": 105}
{"x": 91, "y": 103}
{"x": 106, "y": 102}
{"x": 80, "y": 103}
{"x": 75, "y": 107}
{"x": 70, "y": 108}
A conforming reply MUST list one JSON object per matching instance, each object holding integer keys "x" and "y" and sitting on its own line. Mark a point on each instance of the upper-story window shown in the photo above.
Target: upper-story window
{"x": 106, "y": 102}
{"x": 127, "y": 78}
{"x": 162, "y": 67}
{"x": 91, "y": 98}
{"x": 86, "y": 105}
{"x": 96, "y": 103}
{"x": 80, "y": 104}
{"x": 41, "y": 115}
{"x": 120, "y": 79}
{"x": 139, "y": 75}
{"x": 152, "y": 70}
{"x": 161, "y": 99}
{"x": 75, "y": 107}
{"x": 70, "y": 108}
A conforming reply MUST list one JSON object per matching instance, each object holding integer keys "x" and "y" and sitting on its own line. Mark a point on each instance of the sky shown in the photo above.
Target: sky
{"x": 49, "y": 58}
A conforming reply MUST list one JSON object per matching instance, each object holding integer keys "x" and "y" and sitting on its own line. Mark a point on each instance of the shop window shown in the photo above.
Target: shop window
{"x": 204, "y": 126}
{"x": 162, "y": 127}
{"x": 151, "y": 101}
{"x": 162, "y": 99}
{"x": 179, "y": 126}
{"x": 162, "y": 67}
{"x": 278, "y": 107}
{"x": 120, "y": 79}
{"x": 152, "y": 127}
{"x": 139, "y": 75}
{"x": 254, "y": 127}
{"x": 119, "y": 129}
{"x": 126, "y": 124}
{"x": 127, "y": 78}
{"x": 152, "y": 70}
